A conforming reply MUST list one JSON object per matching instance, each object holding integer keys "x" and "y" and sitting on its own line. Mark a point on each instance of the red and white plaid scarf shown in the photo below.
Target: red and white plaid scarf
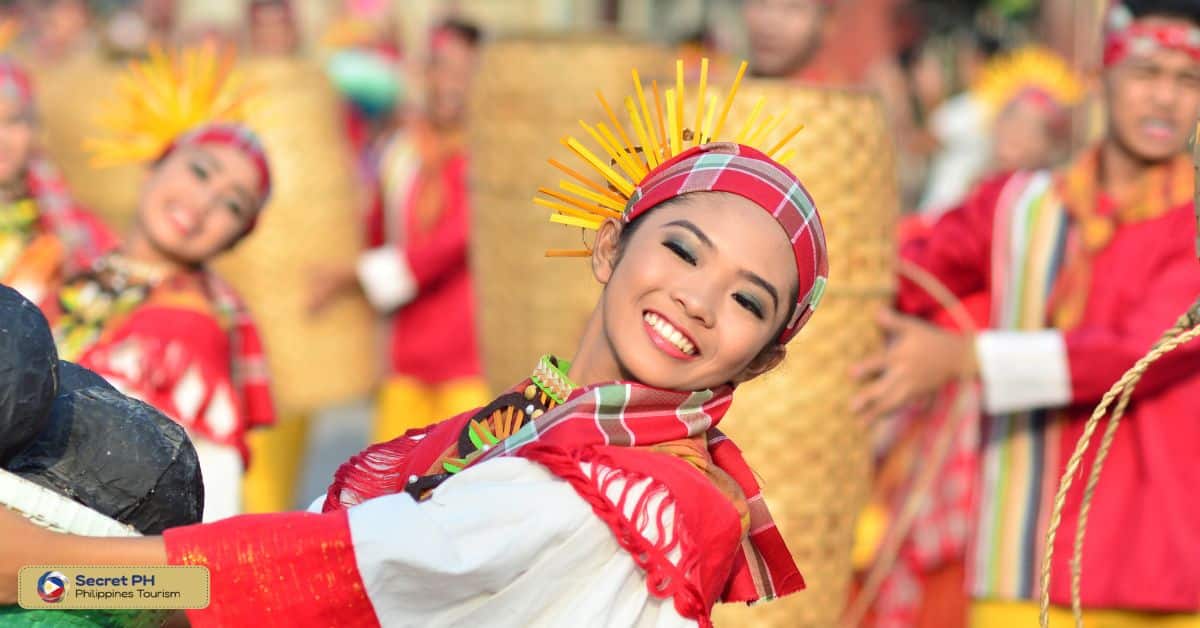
{"x": 621, "y": 415}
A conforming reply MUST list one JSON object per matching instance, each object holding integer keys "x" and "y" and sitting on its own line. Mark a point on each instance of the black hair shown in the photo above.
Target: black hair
{"x": 463, "y": 29}
{"x": 1181, "y": 9}
{"x": 632, "y": 227}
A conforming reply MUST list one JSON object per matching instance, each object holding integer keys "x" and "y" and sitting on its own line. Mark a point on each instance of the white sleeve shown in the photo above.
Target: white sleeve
{"x": 1023, "y": 370}
{"x": 504, "y": 544}
{"x": 386, "y": 278}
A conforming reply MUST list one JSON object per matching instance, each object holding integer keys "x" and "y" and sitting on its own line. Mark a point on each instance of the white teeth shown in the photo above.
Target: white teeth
{"x": 669, "y": 333}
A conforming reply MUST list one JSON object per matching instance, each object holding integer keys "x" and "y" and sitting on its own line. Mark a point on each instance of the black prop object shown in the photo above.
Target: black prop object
{"x": 28, "y": 372}
{"x": 71, "y": 376}
{"x": 118, "y": 456}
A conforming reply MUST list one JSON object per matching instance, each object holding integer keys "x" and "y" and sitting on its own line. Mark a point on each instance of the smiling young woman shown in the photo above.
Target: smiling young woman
{"x": 594, "y": 492}
{"x": 149, "y": 316}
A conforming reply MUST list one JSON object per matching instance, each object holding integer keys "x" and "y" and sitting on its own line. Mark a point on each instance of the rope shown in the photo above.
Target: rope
{"x": 889, "y": 550}
{"x": 1185, "y": 329}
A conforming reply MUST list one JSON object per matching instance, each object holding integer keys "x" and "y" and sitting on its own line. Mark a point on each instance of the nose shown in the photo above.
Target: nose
{"x": 697, "y": 301}
{"x": 1165, "y": 91}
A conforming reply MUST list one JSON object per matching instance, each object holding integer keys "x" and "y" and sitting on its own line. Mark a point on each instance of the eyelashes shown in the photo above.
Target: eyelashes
{"x": 680, "y": 251}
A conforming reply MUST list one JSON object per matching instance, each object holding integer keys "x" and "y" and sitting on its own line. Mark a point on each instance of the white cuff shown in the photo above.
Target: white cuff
{"x": 386, "y": 278}
{"x": 1023, "y": 370}
{"x": 221, "y": 466}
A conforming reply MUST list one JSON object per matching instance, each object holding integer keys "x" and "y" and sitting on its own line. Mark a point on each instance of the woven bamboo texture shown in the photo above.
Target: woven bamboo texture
{"x": 64, "y": 93}
{"x": 530, "y": 92}
{"x": 793, "y": 424}
{"x": 312, "y": 220}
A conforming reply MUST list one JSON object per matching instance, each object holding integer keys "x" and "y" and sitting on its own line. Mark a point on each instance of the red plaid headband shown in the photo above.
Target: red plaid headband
{"x": 15, "y": 83}
{"x": 1125, "y": 34}
{"x": 236, "y": 136}
{"x": 751, "y": 174}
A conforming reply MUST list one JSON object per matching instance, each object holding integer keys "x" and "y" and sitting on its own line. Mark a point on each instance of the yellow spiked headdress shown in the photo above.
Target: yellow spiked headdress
{"x": 1032, "y": 68}
{"x": 165, "y": 96}
{"x": 661, "y": 125}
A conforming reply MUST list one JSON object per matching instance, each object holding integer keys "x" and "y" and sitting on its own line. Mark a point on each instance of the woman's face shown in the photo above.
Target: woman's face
{"x": 1024, "y": 136}
{"x": 198, "y": 201}
{"x": 698, "y": 291}
{"x": 16, "y": 139}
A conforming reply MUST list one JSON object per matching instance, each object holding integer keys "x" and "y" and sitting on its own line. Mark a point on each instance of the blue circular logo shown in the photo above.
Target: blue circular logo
{"x": 52, "y": 587}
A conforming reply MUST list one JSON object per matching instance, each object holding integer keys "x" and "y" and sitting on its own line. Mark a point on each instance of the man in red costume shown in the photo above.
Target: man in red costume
{"x": 416, "y": 269}
{"x": 1085, "y": 266}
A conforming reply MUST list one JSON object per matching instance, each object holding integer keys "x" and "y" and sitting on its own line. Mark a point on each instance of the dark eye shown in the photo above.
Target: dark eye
{"x": 235, "y": 208}
{"x": 198, "y": 171}
{"x": 749, "y": 304}
{"x": 680, "y": 251}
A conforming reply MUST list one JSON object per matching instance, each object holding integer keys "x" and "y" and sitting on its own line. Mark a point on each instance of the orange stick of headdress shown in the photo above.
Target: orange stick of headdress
{"x": 612, "y": 116}
{"x": 572, "y": 221}
{"x": 768, "y": 127}
{"x": 708, "y": 120}
{"x": 741, "y": 136}
{"x": 639, "y": 167}
{"x": 568, "y": 199}
{"x": 662, "y": 119}
{"x": 700, "y": 97}
{"x": 641, "y": 96}
{"x": 673, "y": 122}
{"x": 677, "y": 128}
{"x": 611, "y": 206}
{"x": 580, "y": 177}
{"x": 616, "y": 154}
{"x": 640, "y": 129}
{"x": 566, "y": 209}
{"x": 623, "y": 186}
{"x": 783, "y": 142}
{"x": 729, "y": 99}
{"x": 568, "y": 253}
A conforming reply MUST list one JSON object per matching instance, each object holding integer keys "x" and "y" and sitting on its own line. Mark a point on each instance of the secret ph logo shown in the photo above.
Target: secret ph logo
{"x": 52, "y": 587}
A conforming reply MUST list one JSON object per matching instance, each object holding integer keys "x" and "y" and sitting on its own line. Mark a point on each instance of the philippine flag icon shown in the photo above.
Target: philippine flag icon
{"x": 52, "y": 587}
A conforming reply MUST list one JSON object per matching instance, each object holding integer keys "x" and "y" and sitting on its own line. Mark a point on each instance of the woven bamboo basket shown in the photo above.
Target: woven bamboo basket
{"x": 794, "y": 424}
{"x": 312, "y": 220}
{"x": 530, "y": 92}
{"x": 63, "y": 93}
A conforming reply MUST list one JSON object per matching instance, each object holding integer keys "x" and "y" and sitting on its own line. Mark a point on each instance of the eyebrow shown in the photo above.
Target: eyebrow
{"x": 751, "y": 276}
{"x": 207, "y": 158}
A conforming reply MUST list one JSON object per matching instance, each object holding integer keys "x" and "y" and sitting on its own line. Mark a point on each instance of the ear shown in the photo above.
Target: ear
{"x": 606, "y": 250}
{"x": 764, "y": 362}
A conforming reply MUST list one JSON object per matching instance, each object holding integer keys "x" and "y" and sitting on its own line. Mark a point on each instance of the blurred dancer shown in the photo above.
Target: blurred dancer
{"x": 417, "y": 272}
{"x": 1085, "y": 267}
{"x": 44, "y": 234}
{"x": 785, "y": 36}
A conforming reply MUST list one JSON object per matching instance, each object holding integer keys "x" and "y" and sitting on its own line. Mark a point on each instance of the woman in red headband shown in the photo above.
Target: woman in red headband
{"x": 43, "y": 233}
{"x": 153, "y": 320}
{"x": 596, "y": 492}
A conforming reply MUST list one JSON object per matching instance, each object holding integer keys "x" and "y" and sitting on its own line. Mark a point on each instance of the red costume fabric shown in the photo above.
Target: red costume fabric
{"x": 422, "y": 210}
{"x": 186, "y": 345}
{"x": 612, "y": 425}
{"x": 1116, "y": 276}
